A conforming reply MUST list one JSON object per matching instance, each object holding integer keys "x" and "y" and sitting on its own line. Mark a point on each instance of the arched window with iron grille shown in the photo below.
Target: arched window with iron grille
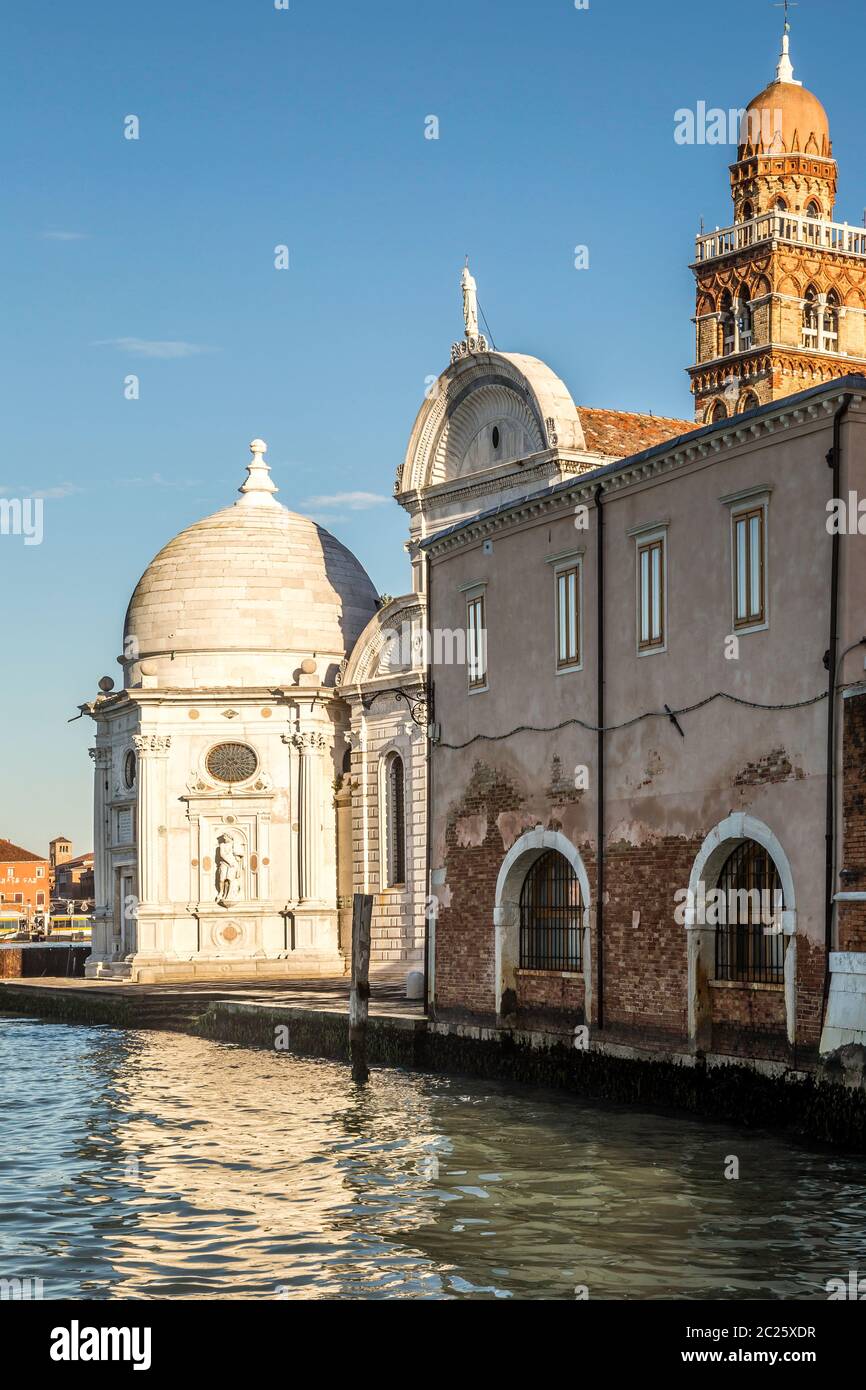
{"x": 750, "y": 945}
{"x": 551, "y": 916}
{"x": 395, "y": 821}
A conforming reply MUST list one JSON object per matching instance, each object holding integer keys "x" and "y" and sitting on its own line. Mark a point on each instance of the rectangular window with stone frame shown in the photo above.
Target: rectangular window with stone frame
{"x": 750, "y": 567}
{"x": 568, "y": 617}
{"x": 476, "y": 643}
{"x": 651, "y": 602}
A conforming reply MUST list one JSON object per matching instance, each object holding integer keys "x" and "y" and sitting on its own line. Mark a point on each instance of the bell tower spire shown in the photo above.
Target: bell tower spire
{"x": 785, "y": 68}
{"x": 781, "y": 293}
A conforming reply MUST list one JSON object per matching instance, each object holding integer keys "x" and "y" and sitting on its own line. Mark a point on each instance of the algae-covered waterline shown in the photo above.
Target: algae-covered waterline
{"x": 158, "y": 1165}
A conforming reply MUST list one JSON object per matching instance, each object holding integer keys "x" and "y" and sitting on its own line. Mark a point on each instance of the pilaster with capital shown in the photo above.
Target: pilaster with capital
{"x": 101, "y": 837}
{"x": 311, "y": 746}
{"x": 152, "y": 751}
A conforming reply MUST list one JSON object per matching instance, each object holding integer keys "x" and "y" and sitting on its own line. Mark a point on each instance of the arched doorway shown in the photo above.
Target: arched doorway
{"x": 541, "y": 912}
{"x": 551, "y": 916}
{"x": 751, "y": 938}
{"x": 749, "y": 942}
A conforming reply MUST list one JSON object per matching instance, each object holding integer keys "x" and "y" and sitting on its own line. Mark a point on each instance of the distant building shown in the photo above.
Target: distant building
{"x": 23, "y": 878}
{"x": 73, "y": 881}
{"x": 59, "y": 851}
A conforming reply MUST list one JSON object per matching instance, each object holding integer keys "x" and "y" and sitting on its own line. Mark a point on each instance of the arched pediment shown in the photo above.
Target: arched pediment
{"x": 392, "y": 642}
{"x": 486, "y": 410}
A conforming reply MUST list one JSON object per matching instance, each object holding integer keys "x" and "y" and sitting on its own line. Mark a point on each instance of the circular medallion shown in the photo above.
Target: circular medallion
{"x": 129, "y": 769}
{"x": 231, "y": 762}
{"x": 228, "y": 934}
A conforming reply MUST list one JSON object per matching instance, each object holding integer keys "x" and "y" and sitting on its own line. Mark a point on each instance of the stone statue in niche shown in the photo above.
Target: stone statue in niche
{"x": 229, "y": 862}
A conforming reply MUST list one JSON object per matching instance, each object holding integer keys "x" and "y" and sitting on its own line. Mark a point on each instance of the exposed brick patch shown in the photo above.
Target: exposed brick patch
{"x": 811, "y": 961}
{"x": 549, "y": 1002}
{"x": 774, "y": 767}
{"x": 464, "y": 929}
{"x": 749, "y": 1023}
{"x": 645, "y": 947}
{"x": 562, "y": 789}
{"x": 646, "y": 962}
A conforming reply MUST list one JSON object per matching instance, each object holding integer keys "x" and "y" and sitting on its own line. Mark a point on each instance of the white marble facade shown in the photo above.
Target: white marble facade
{"x": 384, "y": 689}
{"x": 215, "y": 766}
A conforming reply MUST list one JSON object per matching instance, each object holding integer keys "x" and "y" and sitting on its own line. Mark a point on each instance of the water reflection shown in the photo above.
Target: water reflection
{"x": 148, "y": 1165}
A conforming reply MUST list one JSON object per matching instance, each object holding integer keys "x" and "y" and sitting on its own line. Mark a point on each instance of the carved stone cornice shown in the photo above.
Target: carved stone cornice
{"x": 544, "y": 465}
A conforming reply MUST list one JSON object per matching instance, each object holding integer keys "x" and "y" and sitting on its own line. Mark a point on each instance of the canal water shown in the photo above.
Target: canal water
{"x": 154, "y": 1165}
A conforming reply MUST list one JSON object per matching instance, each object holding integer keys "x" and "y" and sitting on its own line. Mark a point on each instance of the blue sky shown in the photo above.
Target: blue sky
{"x": 305, "y": 127}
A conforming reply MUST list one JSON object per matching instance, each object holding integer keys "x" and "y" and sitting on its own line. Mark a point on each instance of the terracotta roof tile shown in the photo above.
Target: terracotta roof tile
{"x": 619, "y": 434}
{"x": 14, "y": 854}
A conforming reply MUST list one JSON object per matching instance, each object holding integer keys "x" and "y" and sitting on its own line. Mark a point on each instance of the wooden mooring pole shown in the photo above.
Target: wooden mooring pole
{"x": 359, "y": 994}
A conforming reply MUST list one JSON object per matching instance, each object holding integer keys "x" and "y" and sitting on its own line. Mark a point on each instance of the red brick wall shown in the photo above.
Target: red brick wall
{"x": 646, "y": 961}
{"x": 749, "y": 1022}
{"x": 465, "y": 954}
{"x": 645, "y": 955}
{"x": 554, "y": 1003}
{"x": 810, "y": 994}
{"x": 852, "y": 916}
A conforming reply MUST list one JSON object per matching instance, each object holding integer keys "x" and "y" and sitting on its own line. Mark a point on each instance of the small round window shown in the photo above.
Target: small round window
{"x": 496, "y": 436}
{"x": 231, "y": 762}
{"x": 129, "y": 769}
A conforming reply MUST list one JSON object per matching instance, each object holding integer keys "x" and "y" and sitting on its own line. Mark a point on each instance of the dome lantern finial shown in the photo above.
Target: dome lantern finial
{"x": 785, "y": 68}
{"x": 259, "y": 487}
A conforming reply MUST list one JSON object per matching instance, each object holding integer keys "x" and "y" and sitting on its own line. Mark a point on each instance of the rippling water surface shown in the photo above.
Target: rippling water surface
{"x": 150, "y": 1165}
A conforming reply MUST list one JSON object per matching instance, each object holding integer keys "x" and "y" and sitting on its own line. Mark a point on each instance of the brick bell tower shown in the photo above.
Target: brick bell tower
{"x": 781, "y": 294}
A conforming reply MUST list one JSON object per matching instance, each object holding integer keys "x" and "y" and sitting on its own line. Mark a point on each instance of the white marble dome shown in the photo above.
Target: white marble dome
{"x": 243, "y": 597}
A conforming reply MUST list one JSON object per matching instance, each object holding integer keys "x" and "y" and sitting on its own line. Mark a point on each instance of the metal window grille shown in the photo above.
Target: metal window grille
{"x": 750, "y": 945}
{"x": 396, "y": 823}
{"x": 551, "y": 916}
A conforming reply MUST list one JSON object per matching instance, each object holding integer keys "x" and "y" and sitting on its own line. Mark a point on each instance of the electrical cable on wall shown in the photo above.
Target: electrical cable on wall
{"x": 666, "y": 713}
